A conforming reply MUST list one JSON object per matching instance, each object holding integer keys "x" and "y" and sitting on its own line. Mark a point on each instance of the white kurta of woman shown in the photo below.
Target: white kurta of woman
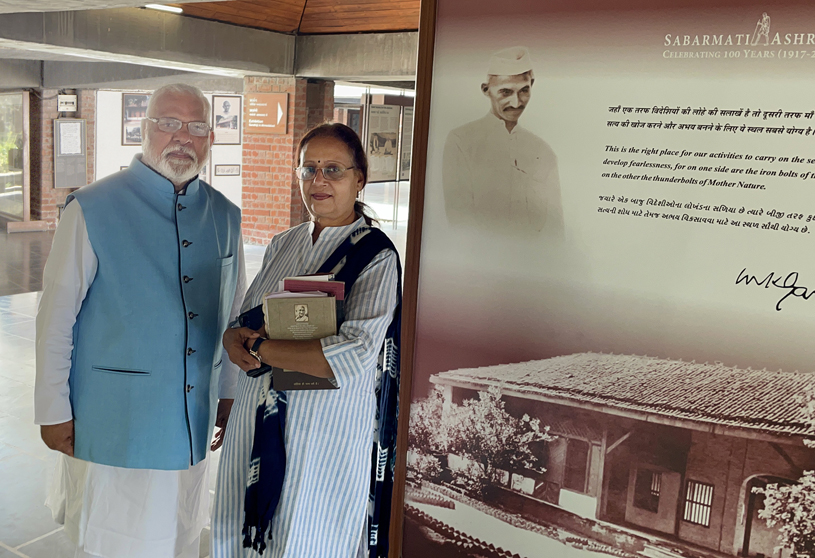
{"x": 139, "y": 286}
{"x": 323, "y": 506}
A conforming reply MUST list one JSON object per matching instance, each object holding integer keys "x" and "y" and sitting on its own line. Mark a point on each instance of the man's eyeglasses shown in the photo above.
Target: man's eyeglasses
{"x": 331, "y": 172}
{"x": 172, "y": 125}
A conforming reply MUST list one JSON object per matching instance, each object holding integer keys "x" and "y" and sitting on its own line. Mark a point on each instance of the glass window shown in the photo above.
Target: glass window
{"x": 698, "y": 503}
{"x": 11, "y": 155}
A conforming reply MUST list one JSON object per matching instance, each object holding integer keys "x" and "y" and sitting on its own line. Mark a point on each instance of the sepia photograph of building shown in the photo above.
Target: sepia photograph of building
{"x": 619, "y": 454}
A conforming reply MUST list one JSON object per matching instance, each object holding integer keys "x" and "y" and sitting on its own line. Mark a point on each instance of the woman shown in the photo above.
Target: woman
{"x": 319, "y": 508}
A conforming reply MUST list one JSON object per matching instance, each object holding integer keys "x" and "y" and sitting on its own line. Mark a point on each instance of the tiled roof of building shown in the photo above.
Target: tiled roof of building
{"x": 700, "y": 392}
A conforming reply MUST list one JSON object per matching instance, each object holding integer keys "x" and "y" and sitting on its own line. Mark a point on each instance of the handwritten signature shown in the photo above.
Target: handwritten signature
{"x": 789, "y": 283}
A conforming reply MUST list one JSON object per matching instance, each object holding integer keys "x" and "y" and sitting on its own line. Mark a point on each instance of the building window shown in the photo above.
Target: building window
{"x": 698, "y": 503}
{"x": 577, "y": 465}
{"x": 646, "y": 490}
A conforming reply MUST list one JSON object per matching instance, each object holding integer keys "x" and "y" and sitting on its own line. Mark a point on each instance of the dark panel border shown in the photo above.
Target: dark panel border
{"x": 421, "y": 126}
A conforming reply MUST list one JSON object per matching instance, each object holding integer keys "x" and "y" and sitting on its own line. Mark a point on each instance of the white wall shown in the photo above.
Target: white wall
{"x": 111, "y": 155}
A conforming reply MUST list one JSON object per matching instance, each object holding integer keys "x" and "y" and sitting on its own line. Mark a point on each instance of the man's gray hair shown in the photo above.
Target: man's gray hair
{"x": 180, "y": 88}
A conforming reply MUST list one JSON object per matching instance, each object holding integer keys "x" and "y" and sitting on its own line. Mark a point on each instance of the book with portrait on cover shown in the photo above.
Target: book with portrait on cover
{"x": 299, "y": 318}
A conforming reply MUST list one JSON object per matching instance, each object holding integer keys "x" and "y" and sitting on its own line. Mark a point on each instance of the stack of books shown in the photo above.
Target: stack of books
{"x": 304, "y": 308}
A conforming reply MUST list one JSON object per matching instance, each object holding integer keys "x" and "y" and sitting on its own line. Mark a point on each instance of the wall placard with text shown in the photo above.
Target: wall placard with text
{"x": 615, "y": 298}
{"x": 266, "y": 113}
{"x": 70, "y": 153}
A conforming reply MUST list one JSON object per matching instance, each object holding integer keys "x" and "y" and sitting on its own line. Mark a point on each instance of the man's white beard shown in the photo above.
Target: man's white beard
{"x": 176, "y": 171}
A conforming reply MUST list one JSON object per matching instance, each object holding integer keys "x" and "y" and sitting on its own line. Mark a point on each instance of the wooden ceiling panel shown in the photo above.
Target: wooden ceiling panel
{"x": 274, "y": 15}
{"x": 312, "y": 16}
{"x": 349, "y": 16}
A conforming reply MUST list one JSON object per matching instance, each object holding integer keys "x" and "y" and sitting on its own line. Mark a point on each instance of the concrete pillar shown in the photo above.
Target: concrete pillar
{"x": 271, "y": 195}
{"x": 43, "y": 111}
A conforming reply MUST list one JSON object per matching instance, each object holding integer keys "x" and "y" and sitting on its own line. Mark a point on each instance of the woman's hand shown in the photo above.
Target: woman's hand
{"x": 221, "y": 418}
{"x": 234, "y": 343}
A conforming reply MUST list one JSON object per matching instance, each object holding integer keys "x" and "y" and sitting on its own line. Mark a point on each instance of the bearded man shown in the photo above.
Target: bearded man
{"x": 145, "y": 270}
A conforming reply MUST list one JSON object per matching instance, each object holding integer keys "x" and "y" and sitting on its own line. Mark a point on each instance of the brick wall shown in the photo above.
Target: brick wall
{"x": 297, "y": 211}
{"x": 271, "y": 194}
{"x": 319, "y": 108}
{"x": 86, "y": 100}
{"x": 43, "y": 112}
{"x": 728, "y": 463}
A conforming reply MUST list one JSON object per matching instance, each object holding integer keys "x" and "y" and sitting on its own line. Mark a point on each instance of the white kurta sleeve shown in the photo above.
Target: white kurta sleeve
{"x": 69, "y": 272}
{"x": 457, "y": 181}
{"x": 228, "y": 382}
{"x": 368, "y": 313}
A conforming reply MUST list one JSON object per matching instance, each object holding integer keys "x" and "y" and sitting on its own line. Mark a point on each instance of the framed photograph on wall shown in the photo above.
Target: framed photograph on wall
{"x": 134, "y": 108}
{"x": 383, "y": 138}
{"x": 226, "y": 119}
{"x": 227, "y": 170}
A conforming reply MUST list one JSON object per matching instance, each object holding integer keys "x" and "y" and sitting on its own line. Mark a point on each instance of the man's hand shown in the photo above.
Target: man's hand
{"x": 234, "y": 343}
{"x": 221, "y": 418}
{"x": 59, "y": 437}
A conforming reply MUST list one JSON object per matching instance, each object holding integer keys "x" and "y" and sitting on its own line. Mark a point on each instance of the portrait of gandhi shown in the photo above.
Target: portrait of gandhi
{"x": 301, "y": 312}
{"x": 498, "y": 175}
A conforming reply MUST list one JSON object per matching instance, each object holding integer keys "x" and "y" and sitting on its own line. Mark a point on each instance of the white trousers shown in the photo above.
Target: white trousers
{"x": 112, "y": 512}
{"x": 191, "y": 551}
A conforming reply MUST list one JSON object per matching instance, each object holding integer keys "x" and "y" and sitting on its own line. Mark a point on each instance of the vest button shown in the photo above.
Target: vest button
{"x": 180, "y": 207}
{"x": 187, "y": 279}
{"x": 185, "y": 243}
{"x": 190, "y": 351}
{"x": 191, "y": 315}
{"x": 189, "y": 388}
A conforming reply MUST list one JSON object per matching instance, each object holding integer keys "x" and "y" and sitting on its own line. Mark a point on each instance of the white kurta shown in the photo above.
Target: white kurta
{"x": 501, "y": 181}
{"x": 109, "y": 511}
{"x": 329, "y": 434}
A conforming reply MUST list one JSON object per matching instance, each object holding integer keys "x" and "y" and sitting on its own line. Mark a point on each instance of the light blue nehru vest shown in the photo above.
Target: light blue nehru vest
{"x": 147, "y": 340}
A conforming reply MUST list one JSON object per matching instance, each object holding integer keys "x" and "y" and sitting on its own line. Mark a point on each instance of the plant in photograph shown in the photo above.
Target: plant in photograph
{"x": 427, "y": 438}
{"x": 427, "y": 433}
{"x": 792, "y": 507}
{"x": 472, "y": 477}
{"x": 425, "y": 467}
{"x": 482, "y": 432}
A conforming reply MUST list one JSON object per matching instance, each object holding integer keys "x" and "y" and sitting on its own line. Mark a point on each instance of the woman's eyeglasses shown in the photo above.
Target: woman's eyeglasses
{"x": 331, "y": 172}
{"x": 172, "y": 125}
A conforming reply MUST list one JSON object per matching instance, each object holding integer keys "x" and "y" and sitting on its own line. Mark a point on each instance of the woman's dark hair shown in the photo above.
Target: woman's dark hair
{"x": 349, "y": 137}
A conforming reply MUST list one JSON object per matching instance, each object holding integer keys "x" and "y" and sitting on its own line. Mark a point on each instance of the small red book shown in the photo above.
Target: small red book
{"x": 332, "y": 288}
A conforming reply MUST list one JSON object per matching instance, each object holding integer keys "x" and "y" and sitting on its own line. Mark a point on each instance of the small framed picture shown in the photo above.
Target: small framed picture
{"x": 134, "y": 108}
{"x": 226, "y": 119}
{"x": 301, "y": 312}
{"x": 227, "y": 170}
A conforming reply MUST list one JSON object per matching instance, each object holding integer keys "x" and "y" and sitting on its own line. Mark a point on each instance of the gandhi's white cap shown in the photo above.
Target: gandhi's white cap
{"x": 510, "y": 62}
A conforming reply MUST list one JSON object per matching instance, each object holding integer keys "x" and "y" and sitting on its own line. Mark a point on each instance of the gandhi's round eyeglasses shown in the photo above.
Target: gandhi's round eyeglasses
{"x": 331, "y": 172}
{"x": 172, "y": 125}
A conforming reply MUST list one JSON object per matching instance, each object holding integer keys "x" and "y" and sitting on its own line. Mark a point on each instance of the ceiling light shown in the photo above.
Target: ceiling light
{"x": 164, "y": 8}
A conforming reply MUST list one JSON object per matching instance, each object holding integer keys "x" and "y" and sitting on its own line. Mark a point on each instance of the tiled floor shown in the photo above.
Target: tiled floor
{"x": 26, "y": 465}
{"x": 22, "y": 259}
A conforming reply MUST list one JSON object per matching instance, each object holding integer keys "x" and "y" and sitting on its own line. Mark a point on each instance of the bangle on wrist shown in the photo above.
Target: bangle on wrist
{"x": 255, "y": 349}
